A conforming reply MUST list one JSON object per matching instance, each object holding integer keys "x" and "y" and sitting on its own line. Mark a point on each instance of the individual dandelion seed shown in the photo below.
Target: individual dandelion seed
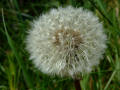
{"x": 66, "y": 42}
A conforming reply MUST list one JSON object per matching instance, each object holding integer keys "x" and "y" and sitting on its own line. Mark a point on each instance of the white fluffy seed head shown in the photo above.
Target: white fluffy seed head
{"x": 66, "y": 42}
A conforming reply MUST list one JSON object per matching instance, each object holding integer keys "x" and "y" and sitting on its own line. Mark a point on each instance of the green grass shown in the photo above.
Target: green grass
{"x": 16, "y": 70}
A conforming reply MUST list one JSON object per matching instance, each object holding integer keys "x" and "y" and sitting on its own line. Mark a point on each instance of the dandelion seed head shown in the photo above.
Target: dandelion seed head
{"x": 66, "y": 42}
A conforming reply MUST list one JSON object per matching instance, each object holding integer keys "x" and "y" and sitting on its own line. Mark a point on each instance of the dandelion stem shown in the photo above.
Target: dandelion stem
{"x": 77, "y": 84}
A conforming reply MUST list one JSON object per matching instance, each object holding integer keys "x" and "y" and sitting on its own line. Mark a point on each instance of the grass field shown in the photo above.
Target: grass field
{"x": 18, "y": 73}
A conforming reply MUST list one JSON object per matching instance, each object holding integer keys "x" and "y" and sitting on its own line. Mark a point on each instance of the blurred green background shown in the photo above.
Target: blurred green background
{"x": 16, "y": 70}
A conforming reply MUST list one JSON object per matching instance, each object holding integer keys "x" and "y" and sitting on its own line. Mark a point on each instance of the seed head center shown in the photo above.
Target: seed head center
{"x": 67, "y": 38}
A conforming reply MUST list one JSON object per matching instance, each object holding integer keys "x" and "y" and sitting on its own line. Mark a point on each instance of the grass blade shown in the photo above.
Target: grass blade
{"x": 18, "y": 58}
{"x": 99, "y": 2}
{"x": 113, "y": 74}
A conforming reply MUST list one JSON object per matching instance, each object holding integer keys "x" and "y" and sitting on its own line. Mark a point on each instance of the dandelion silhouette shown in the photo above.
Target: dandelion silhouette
{"x": 67, "y": 42}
